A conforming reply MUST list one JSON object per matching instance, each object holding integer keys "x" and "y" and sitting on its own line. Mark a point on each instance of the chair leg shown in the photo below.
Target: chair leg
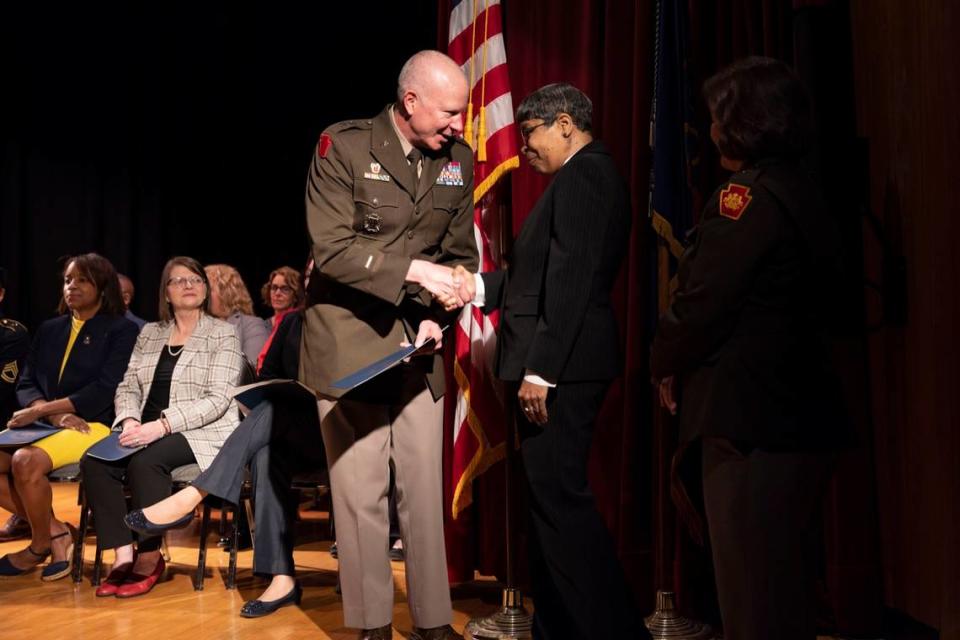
{"x": 97, "y": 566}
{"x": 81, "y": 535}
{"x": 234, "y": 547}
{"x": 202, "y": 555}
{"x": 224, "y": 540}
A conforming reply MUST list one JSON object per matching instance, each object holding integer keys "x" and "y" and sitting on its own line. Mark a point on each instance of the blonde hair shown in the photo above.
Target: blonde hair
{"x": 233, "y": 292}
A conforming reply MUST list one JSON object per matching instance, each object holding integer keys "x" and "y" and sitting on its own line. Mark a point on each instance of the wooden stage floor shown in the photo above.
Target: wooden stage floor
{"x": 34, "y": 610}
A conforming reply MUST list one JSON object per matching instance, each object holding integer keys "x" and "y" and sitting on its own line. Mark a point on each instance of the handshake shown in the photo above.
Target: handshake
{"x": 452, "y": 288}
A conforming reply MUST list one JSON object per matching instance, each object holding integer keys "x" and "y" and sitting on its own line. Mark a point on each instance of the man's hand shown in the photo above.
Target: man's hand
{"x": 533, "y": 402}
{"x": 429, "y": 329}
{"x": 465, "y": 290}
{"x": 435, "y": 278}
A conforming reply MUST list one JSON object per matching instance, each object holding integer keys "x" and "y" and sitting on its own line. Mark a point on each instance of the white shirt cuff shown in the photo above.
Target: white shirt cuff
{"x": 533, "y": 378}
{"x": 480, "y": 297}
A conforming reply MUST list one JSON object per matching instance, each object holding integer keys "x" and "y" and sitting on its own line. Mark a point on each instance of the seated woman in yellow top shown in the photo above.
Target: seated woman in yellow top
{"x": 69, "y": 380}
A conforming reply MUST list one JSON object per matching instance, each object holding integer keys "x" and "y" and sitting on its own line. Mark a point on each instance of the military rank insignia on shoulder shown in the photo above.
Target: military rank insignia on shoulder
{"x": 734, "y": 199}
{"x": 451, "y": 175}
{"x": 325, "y": 143}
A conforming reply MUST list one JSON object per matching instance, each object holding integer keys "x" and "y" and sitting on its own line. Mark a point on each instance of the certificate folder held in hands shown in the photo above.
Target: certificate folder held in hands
{"x": 21, "y": 436}
{"x": 110, "y": 450}
{"x": 372, "y": 370}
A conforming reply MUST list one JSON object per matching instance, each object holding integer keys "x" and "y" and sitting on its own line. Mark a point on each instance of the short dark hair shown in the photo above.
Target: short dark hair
{"x": 761, "y": 109}
{"x": 165, "y": 310}
{"x": 547, "y": 102}
{"x": 293, "y": 279}
{"x": 101, "y": 273}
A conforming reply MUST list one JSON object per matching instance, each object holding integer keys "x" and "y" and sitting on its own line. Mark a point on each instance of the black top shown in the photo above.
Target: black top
{"x": 159, "y": 398}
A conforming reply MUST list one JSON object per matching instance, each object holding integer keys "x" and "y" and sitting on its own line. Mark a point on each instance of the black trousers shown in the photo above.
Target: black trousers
{"x": 277, "y": 441}
{"x": 147, "y": 472}
{"x": 579, "y": 588}
{"x": 762, "y": 508}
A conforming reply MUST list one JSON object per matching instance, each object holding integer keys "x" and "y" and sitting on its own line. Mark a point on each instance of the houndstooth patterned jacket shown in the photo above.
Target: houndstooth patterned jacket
{"x": 201, "y": 403}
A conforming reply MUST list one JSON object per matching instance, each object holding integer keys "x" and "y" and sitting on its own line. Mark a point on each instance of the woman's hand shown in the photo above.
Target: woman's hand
{"x": 71, "y": 421}
{"x": 138, "y": 435}
{"x": 533, "y": 402}
{"x": 25, "y": 416}
{"x": 668, "y": 398}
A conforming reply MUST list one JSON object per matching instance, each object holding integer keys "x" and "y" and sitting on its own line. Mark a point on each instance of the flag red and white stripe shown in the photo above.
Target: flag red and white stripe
{"x": 476, "y": 43}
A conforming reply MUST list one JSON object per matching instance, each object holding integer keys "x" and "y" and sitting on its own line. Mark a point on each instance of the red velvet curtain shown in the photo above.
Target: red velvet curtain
{"x": 605, "y": 47}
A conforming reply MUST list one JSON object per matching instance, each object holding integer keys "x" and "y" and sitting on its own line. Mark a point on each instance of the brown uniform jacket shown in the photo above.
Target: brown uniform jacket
{"x": 367, "y": 221}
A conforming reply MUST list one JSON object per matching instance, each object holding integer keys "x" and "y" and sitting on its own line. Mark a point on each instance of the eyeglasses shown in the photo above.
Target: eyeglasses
{"x": 181, "y": 283}
{"x": 525, "y": 132}
{"x": 282, "y": 288}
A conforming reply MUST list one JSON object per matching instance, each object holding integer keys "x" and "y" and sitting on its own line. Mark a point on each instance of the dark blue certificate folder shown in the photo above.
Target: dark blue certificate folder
{"x": 26, "y": 435}
{"x": 110, "y": 450}
{"x": 374, "y": 369}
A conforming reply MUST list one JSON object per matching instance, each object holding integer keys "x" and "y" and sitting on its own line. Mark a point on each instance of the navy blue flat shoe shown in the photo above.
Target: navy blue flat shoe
{"x": 9, "y": 570}
{"x": 259, "y": 608}
{"x": 138, "y": 522}
{"x": 62, "y": 568}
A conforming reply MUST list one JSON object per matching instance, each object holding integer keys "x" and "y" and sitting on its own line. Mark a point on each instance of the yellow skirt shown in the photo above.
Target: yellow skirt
{"x": 68, "y": 446}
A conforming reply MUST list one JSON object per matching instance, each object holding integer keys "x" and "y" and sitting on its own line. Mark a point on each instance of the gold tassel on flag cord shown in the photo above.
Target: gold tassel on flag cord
{"x": 482, "y": 128}
{"x": 468, "y": 130}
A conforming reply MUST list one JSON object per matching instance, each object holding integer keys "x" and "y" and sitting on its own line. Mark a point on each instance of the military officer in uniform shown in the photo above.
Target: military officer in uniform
{"x": 742, "y": 351}
{"x": 390, "y": 212}
{"x": 14, "y": 345}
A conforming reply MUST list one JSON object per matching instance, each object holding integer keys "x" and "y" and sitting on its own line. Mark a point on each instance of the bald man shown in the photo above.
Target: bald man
{"x": 390, "y": 212}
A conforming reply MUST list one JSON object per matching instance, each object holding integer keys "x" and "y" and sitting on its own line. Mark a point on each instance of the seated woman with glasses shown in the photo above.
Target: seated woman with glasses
{"x": 277, "y": 440}
{"x": 230, "y": 301}
{"x": 72, "y": 371}
{"x": 282, "y": 293}
{"x": 176, "y": 401}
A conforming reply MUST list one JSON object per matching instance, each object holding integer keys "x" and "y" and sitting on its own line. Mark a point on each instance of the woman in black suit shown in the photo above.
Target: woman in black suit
{"x": 558, "y": 351}
{"x": 71, "y": 374}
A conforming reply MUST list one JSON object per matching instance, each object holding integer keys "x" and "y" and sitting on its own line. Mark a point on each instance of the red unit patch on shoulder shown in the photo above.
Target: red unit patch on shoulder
{"x": 734, "y": 199}
{"x": 325, "y": 143}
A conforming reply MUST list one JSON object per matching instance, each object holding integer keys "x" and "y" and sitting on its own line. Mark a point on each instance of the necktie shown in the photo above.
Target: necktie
{"x": 414, "y": 158}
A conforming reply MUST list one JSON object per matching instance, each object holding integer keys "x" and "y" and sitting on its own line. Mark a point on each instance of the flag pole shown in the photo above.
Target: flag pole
{"x": 512, "y": 621}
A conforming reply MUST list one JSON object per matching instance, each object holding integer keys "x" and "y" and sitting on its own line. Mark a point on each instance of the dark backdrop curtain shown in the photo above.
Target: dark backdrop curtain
{"x": 145, "y": 131}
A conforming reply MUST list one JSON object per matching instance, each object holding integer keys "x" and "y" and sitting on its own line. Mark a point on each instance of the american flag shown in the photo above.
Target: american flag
{"x": 476, "y": 43}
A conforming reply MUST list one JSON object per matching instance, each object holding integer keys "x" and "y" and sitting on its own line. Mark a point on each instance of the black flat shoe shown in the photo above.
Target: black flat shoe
{"x": 138, "y": 522}
{"x": 259, "y": 608}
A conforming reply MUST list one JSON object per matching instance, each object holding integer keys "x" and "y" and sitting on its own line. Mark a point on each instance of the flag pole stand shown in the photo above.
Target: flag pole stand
{"x": 512, "y": 621}
{"x": 666, "y": 623}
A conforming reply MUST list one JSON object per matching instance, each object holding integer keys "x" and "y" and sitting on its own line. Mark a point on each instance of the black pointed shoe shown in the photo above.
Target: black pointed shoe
{"x": 260, "y": 608}
{"x": 138, "y": 522}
